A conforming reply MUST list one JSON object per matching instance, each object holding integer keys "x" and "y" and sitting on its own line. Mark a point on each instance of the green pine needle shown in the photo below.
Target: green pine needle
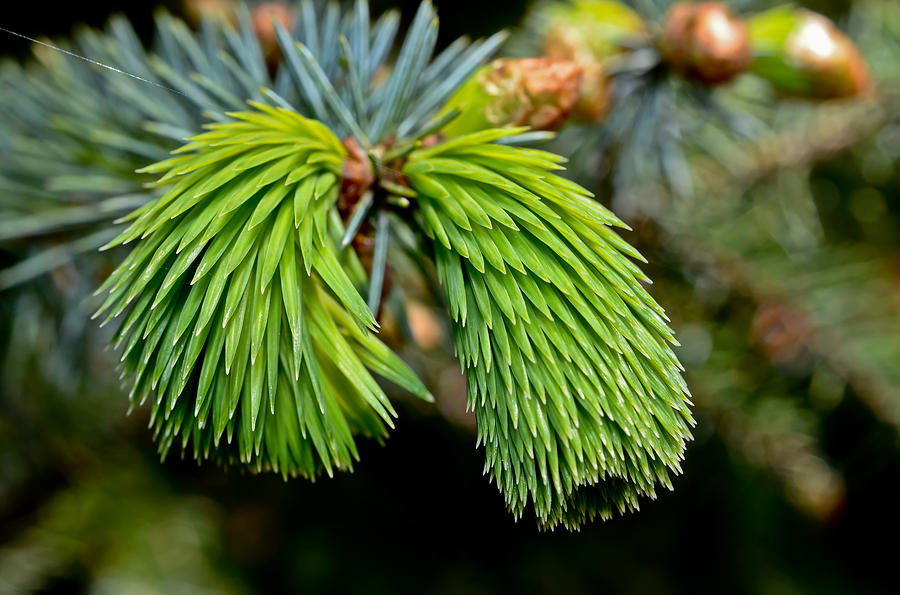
{"x": 241, "y": 320}
{"x": 578, "y": 396}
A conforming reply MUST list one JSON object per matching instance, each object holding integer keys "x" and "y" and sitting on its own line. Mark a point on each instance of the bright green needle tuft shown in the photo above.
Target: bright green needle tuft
{"x": 244, "y": 331}
{"x": 578, "y": 396}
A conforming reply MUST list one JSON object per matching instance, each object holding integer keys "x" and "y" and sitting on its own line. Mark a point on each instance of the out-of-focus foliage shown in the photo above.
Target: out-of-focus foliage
{"x": 776, "y": 259}
{"x": 126, "y": 531}
{"x": 769, "y": 237}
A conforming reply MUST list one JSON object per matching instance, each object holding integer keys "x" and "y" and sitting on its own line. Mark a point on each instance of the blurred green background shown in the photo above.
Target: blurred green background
{"x": 783, "y": 287}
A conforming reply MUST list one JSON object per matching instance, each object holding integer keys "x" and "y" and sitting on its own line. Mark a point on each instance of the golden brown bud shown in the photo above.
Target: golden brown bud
{"x": 832, "y": 60}
{"x": 704, "y": 42}
{"x": 803, "y": 54}
{"x": 264, "y": 16}
{"x": 590, "y": 30}
{"x": 590, "y": 33}
{"x": 596, "y": 86}
{"x": 593, "y": 103}
{"x": 535, "y": 92}
{"x": 197, "y": 10}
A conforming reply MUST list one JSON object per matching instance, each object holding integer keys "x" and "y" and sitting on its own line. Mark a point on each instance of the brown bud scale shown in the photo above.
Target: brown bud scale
{"x": 704, "y": 42}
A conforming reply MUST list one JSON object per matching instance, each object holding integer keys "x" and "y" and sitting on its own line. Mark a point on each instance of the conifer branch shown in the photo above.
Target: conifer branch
{"x": 241, "y": 319}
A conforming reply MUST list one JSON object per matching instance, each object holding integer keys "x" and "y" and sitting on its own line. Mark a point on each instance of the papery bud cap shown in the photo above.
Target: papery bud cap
{"x": 536, "y": 92}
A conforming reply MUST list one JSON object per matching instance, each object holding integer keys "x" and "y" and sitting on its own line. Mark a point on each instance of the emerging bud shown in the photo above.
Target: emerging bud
{"x": 535, "y": 92}
{"x": 593, "y": 102}
{"x": 590, "y": 32}
{"x": 265, "y": 15}
{"x": 197, "y": 10}
{"x": 704, "y": 42}
{"x": 802, "y": 54}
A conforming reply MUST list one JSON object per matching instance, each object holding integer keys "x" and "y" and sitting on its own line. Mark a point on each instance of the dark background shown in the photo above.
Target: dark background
{"x": 52, "y": 19}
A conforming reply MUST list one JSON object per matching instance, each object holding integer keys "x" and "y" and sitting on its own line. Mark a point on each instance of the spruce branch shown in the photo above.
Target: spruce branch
{"x": 241, "y": 314}
{"x": 76, "y": 134}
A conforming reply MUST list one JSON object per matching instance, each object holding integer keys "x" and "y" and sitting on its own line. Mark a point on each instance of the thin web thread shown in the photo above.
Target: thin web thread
{"x": 107, "y": 66}
{"x": 94, "y": 62}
